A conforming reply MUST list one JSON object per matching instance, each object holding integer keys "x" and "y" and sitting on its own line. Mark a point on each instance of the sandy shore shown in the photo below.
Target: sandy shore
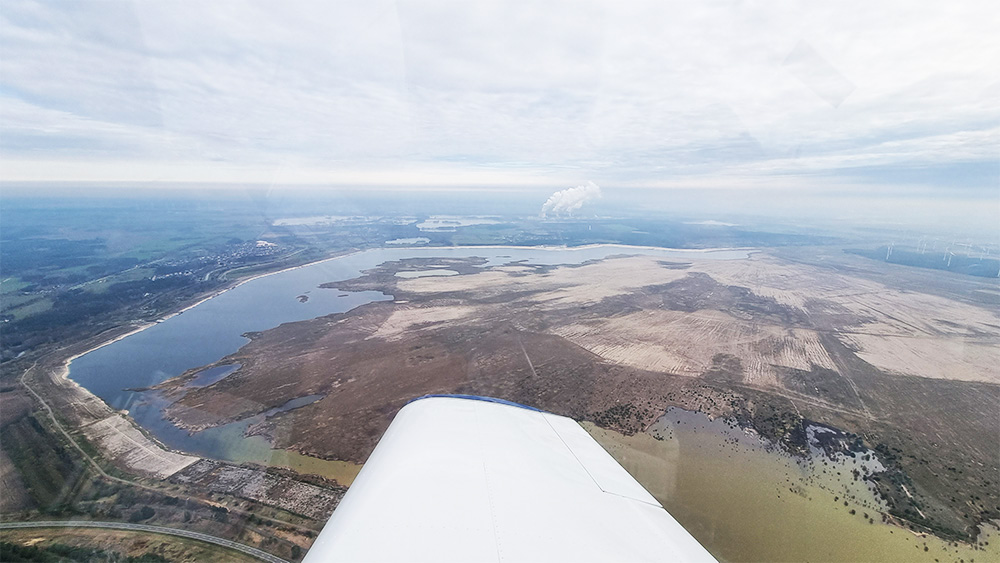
{"x": 63, "y": 372}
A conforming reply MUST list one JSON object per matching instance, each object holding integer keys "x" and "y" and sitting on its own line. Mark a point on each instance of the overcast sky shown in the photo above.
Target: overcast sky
{"x": 846, "y": 95}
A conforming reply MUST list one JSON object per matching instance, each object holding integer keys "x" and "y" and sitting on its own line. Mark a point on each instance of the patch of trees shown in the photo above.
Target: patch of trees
{"x": 59, "y": 552}
{"x": 143, "y": 513}
{"x": 21, "y": 255}
{"x": 625, "y": 418}
{"x": 219, "y": 513}
{"x": 78, "y": 307}
{"x": 48, "y": 469}
{"x": 775, "y": 422}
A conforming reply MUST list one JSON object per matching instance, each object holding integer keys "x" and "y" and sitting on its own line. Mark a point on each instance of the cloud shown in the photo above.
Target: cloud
{"x": 637, "y": 93}
{"x": 571, "y": 199}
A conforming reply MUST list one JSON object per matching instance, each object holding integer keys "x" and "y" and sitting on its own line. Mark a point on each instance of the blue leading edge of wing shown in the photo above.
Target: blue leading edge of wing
{"x": 477, "y": 398}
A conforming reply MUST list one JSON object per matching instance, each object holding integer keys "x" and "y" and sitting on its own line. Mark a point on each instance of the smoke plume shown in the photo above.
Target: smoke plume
{"x": 569, "y": 200}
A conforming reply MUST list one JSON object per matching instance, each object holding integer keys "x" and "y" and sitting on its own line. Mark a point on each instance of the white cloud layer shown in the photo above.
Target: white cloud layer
{"x": 657, "y": 93}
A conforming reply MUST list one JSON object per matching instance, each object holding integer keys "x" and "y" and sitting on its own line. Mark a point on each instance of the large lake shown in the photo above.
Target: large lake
{"x": 212, "y": 330}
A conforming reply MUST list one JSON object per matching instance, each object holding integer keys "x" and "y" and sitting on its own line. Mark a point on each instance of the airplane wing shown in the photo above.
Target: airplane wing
{"x": 462, "y": 478}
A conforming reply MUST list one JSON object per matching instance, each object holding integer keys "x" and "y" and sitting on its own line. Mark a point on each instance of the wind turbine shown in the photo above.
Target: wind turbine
{"x": 950, "y": 255}
{"x": 888, "y": 252}
{"x": 967, "y": 245}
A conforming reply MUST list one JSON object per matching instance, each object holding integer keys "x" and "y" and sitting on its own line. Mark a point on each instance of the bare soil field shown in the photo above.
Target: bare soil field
{"x": 770, "y": 340}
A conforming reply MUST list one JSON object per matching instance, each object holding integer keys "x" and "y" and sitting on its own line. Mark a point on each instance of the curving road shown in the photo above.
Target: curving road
{"x": 253, "y": 552}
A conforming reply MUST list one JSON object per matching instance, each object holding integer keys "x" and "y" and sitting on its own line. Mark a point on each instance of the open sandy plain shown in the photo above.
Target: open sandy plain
{"x": 771, "y": 341}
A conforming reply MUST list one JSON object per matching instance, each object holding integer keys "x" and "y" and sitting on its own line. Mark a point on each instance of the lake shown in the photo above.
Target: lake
{"x": 214, "y": 329}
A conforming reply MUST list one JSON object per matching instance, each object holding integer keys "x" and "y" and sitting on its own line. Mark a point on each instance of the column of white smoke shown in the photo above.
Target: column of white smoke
{"x": 569, "y": 200}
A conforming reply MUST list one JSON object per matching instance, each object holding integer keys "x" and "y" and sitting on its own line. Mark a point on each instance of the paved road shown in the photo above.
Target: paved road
{"x": 262, "y": 555}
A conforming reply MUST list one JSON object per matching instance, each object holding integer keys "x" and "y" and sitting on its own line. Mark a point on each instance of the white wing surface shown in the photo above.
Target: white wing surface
{"x": 459, "y": 478}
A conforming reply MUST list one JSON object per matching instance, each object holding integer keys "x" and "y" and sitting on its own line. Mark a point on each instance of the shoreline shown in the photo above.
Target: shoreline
{"x": 67, "y": 363}
{"x": 748, "y": 249}
{"x": 65, "y": 369}
{"x": 62, "y": 372}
